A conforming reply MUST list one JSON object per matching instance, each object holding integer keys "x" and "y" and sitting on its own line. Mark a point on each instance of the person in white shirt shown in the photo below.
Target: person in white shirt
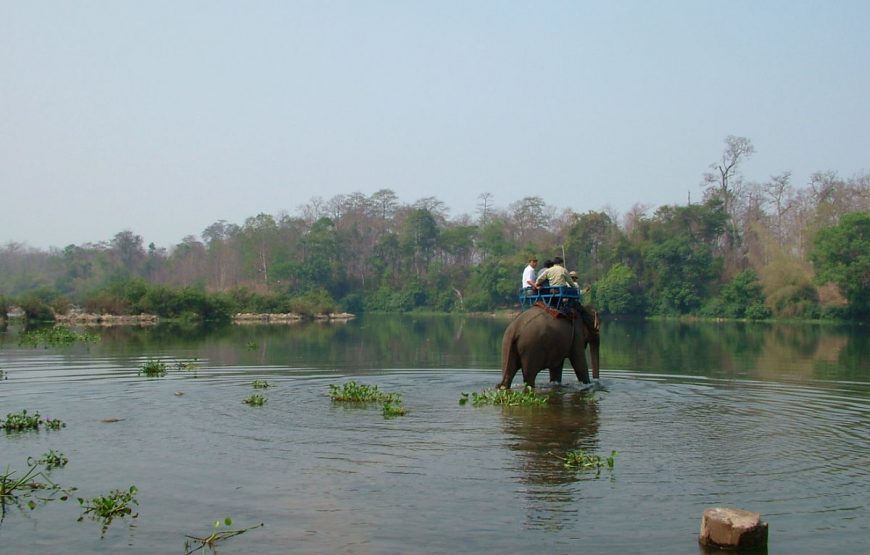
{"x": 529, "y": 274}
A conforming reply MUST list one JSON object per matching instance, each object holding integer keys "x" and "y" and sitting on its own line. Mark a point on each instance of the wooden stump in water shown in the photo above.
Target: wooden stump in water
{"x": 732, "y": 528}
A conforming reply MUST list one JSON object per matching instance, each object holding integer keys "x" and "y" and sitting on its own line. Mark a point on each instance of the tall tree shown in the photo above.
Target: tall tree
{"x": 530, "y": 216}
{"x": 842, "y": 256}
{"x": 128, "y": 253}
{"x": 418, "y": 238}
{"x": 591, "y": 244}
{"x": 484, "y": 206}
{"x": 724, "y": 182}
{"x": 259, "y": 234}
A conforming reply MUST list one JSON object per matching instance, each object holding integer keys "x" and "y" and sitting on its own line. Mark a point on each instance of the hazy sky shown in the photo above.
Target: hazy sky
{"x": 164, "y": 117}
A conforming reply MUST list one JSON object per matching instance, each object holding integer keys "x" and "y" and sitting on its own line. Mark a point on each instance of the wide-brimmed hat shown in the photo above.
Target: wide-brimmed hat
{"x": 572, "y": 273}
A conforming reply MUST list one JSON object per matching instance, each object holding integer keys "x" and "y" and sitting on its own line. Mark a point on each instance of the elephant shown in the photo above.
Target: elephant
{"x": 541, "y": 338}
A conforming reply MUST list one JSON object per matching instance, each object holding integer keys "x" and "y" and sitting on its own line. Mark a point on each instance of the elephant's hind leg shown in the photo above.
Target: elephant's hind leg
{"x": 510, "y": 365}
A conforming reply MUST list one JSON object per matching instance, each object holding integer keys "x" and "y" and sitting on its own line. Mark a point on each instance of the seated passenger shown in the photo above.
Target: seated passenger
{"x": 546, "y": 282}
{"x": 557, "y": 276}
{"x": 574, "y": 282}
{"x": 529, "y": 276}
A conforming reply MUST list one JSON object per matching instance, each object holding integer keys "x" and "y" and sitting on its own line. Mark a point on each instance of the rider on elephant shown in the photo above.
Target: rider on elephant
{"x": 557, "y": 275}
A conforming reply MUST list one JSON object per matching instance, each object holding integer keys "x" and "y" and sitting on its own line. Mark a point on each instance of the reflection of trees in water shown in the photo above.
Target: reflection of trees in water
{"x": 681, "y": 347}
{"x": 851, "y": 358}
{"x": 376, "y": 341}
{"x": 540, "y": 436}
{"x": 756, "y": 349}
{"x": 800, "y": 340}
{"x": 422, "y": 341}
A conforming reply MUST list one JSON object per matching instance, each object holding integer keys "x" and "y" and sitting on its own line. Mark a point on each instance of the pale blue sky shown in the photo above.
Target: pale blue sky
{"x": 164, "y": 117}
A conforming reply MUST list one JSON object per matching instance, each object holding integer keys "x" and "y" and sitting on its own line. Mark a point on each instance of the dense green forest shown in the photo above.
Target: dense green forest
{"x": 745, "y": 250}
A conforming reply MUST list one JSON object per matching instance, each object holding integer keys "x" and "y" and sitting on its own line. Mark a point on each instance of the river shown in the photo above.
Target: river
{"x": 767, "y": 417}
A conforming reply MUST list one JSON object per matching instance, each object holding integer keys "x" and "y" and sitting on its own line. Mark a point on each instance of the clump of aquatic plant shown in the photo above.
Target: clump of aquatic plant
{"x": 527, "y": 397}
{"x": 354, "y": 392}
{"x": 217, "y": 535}
{"x": 20, "y": 421}
{"x": 394, "y": 409}
{"x": 59, "y": 336}
{"x": 3, "y": 375}
{"x": 580, "y": 460}
{"x": 153, "y": 368}
{"x": 14, "y": 489}
{"x": 52, "y": 459}
{"x": 260, "y": 384}
{"x": 251, "y": 346}
{"x": 117, "y": 503}
{"x": 255, "y": 400}
{"x": 54, "y": 423}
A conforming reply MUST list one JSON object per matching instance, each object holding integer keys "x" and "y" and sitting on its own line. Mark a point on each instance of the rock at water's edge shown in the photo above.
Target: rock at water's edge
{"x": 731, "y": 528}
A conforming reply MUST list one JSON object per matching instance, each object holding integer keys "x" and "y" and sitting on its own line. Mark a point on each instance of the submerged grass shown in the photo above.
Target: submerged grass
{"x": 216, "y": 536}
{"x": 15, "y": 489}
{"x": 59, "y": 336}
{"x": 260, "y": 384}
{"x": 505, "y": 397}
{"x": 187, "y": 365}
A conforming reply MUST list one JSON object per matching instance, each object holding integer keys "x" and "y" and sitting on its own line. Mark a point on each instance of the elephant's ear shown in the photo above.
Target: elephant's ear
{"x": 596, "y": 321}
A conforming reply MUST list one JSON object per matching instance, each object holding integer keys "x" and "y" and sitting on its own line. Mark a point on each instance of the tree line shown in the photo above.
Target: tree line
{"x": 747, "y": 249}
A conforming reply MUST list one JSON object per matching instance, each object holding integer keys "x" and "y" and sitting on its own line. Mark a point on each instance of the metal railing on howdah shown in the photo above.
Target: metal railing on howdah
{"x": 553, "y": 297}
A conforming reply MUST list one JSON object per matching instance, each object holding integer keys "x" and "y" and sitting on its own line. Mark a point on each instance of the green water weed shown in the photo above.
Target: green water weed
{"x": 506, "y": 397}
{"x": 153, "y": 368}
{"x": 217, "y": 535}
{"x": 52, "y": 459}
{"x": 260, "y": 384}
{"x": 15, "y": 489}
{"x": 58, "y": 336}
{"x": 578, "y": 459}
{"x": 394, "y": 409}
{"x": 20, "y": 421}
{"x": 251, "y": 346}
{"x": 117, "y": 503}
{"x": 54, "y": 423}
{"x": 255, "y": 400}
{"x": 353, "y": 392}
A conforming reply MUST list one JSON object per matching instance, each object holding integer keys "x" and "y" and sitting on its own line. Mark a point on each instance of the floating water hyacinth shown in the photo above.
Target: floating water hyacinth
{"x": 255, "y": 400}
{"x": 354, "y": 392}
{"x": 506, "y": 397}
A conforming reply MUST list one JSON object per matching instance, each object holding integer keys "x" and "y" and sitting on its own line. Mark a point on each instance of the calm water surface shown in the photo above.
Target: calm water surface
{"x": 768, "y": 418}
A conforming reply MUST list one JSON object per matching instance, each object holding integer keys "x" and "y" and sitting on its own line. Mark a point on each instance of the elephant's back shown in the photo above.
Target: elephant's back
{"x": 539, "y": 330}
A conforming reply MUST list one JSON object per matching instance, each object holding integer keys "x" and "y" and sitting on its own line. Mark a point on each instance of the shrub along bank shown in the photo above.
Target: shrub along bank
{"x": 136, "y": 296}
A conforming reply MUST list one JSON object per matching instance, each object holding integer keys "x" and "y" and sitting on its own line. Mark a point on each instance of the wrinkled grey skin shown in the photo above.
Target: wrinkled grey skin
{"x": 535, "y": 340}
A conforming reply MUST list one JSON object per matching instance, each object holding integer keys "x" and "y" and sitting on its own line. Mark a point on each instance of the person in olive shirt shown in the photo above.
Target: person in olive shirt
{"x": 557, "y": 275}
